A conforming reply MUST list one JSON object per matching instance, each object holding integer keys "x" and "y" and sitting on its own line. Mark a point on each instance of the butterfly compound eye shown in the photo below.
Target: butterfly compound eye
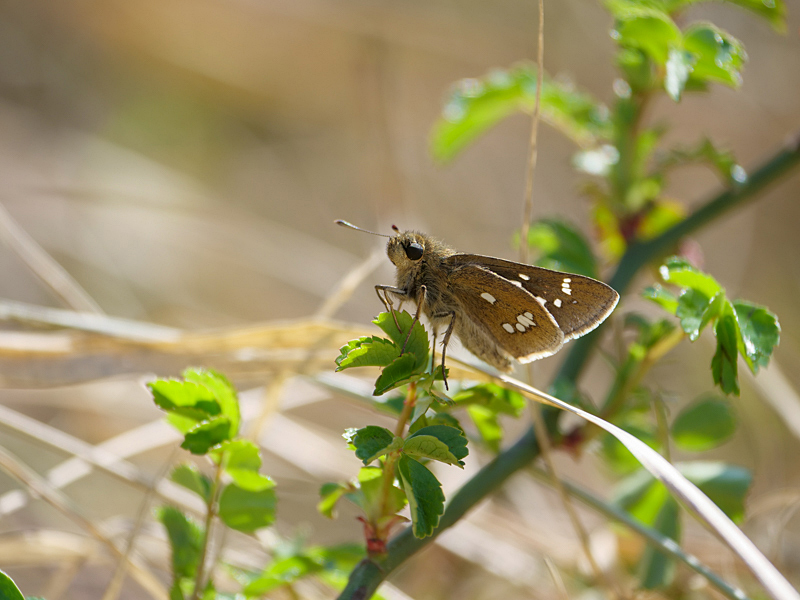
{"x": 414, "y": 251}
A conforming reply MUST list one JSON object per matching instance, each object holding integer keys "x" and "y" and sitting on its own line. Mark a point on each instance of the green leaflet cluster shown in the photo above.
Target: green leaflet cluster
{"x": 204, "y": 407}
{"x": 741, "y": 328}
{"x": 396, "y": 472}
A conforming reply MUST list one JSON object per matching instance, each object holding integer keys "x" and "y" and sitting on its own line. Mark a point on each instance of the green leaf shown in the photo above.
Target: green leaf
{"x": 371, "y": 442}
{"x": 451, "y": 437}
{"x": 223, "y": 391}
{"x": 8, "y": 589}
{"x": 246, "y": 510}
{"x": 664, "y": 298}
{"x": 185, "y": 540}
{"x": 488, "y": 426}
{"x": 415, "y": 344}
{"x": 726, "y": 485}
{"x": 678, "y": 271}
{"x": 192, "y": 479}
{"x": 396, "y": 374}
{"x": 171, "y": 394}
{"x": 759, "y": 333}
{"x": 695, "y": 310}
{"x": 659, "y": 215}
{"x": 658, "y": 570}
{"x": 204, "y": 436}
{"x": 563, "y": 248}
{"x": 724, "y": 367}
{"x": 680, "y": 65}
{"x": 330, "y": 493}
{"x": 641, "y": 495}
{"x": 774, "y": 11}
{"x": 242, "y": 462}
{"x": 367, "y": 352}
{"x": 281, "y": 572}
{"x": 427, "y": 446}
{"x": 704, "y": 424}
{"x": 424, "y": 493}
{"x": 720, "y": 56}
{"x": 721, "y": 160}
{"x": 647, "y": 29}
{"x": 692, "y": 305}
{"x": 497, "y": 399}
{"x": 618, "y": 457}
{"x": 476, "y": 105}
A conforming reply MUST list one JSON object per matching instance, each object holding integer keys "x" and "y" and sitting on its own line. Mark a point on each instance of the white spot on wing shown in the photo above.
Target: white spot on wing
{"x": 488, "y": 297}
{"x": 525, "y": 321}
{"x": 567, "y": 291}
{"x": 567, "y": 280}
{"x": 529, "y": 315}
{"x": 525, "y": 277}
{"x": 557, "y": 302}
{"x": 508, "y": 327}
{"x": 541, "y": 300}
{"x": 521, "y": 327}
{"x": 517, "y": 283}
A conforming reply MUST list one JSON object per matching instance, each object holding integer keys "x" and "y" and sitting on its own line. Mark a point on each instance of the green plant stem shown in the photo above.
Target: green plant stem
{"x": 657, "y": 540}
{"x": 211, "y": 511}
{"x": 368, "y": 575}
{"x": 639, "y": 254}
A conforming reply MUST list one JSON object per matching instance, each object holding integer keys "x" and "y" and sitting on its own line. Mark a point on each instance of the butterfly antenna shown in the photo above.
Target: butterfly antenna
{"x": 351, "y": 226}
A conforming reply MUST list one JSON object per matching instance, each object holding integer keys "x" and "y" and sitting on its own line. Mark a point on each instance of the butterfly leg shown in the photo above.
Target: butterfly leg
{"x": 383, "y": 294}
{"x": 420, "y": 304}
{"x": 445, "y": 341}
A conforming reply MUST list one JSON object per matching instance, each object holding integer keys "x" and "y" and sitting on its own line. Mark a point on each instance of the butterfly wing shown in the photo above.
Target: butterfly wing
{"x": 577, "y": 303}
{"x": 508, "y": 314}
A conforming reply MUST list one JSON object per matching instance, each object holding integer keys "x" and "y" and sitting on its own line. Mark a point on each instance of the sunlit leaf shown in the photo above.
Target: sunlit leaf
{"x": 663, "y": 297}
{"x": 207, "y": 434}
{"x": 415, "y": 344}
{"x": 452, "y": 449}
{"x": 367, "y": 352}
{"x": 192, "y": 479}
{"x": 223, "y": 390}
{"x": 8, "y": 589}
{"x": 246, "y": 510}
{"x": 648, "y": 29}
{"x": 679, "y": 66}
{"x": 719, "y": 56}
{"x": 478, "y": 104}
{"x": 759, "y": 333}
{"x": 704, "y": 424}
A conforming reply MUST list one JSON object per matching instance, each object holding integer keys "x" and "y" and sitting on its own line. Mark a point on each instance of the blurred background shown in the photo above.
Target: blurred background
{"x": 183, "y": 161}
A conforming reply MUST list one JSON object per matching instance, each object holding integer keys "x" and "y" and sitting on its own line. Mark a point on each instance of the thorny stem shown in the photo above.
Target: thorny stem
{"x": 211, "y": 511}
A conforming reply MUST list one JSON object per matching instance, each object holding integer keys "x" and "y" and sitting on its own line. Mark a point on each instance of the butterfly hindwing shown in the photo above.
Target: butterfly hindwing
{"x": 507, "y": 313}
{"x": 577, "y": 303}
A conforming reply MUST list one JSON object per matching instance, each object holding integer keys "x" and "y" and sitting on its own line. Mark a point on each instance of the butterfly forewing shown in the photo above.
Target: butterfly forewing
{"x": 510, "y": 315}
{"x": 577, "y": 303}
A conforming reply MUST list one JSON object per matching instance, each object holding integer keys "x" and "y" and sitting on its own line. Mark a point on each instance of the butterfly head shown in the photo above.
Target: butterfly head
{"x": 407, "y": 249}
